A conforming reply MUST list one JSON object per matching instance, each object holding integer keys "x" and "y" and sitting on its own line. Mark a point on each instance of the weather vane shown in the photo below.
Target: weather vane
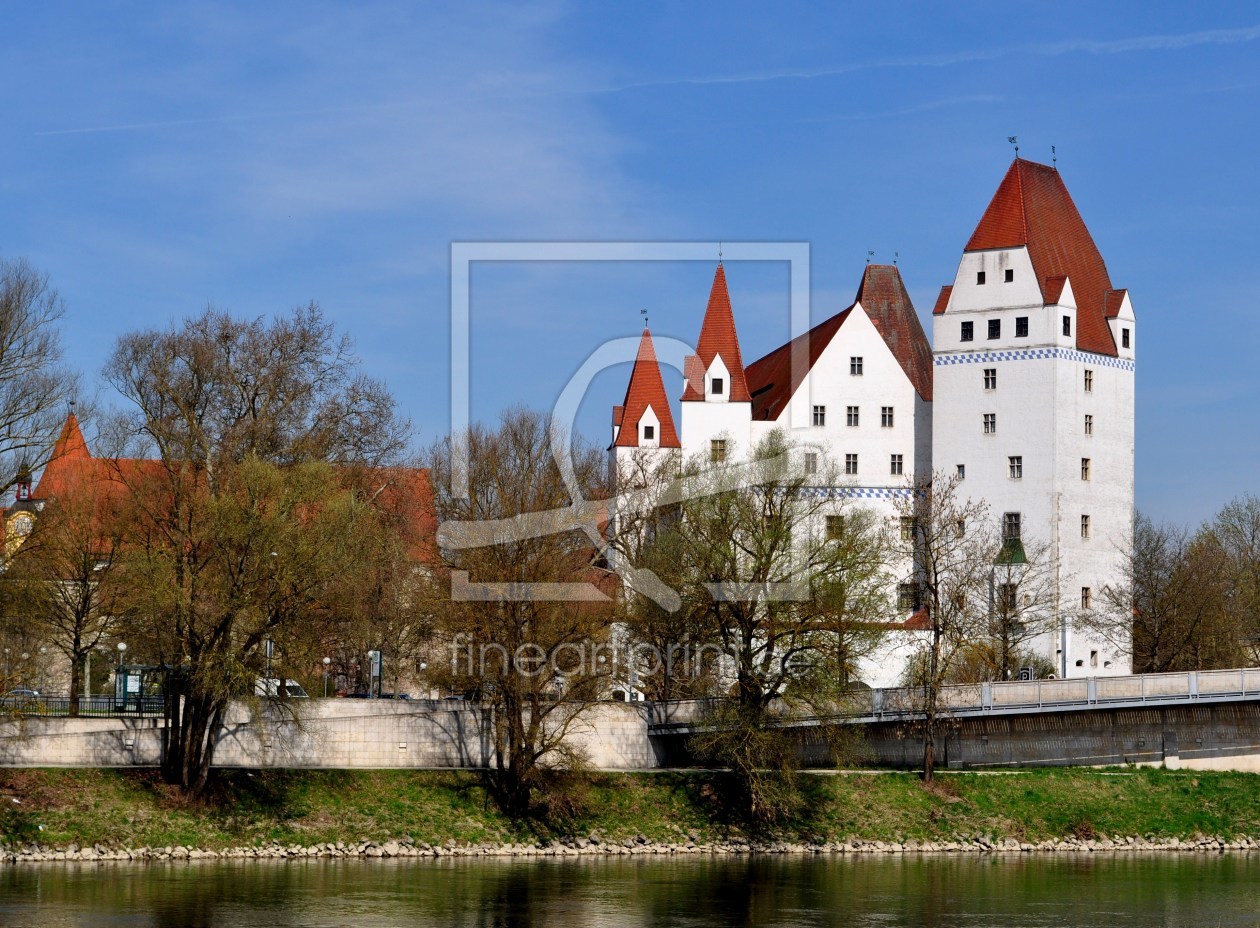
{"x": 1014, "y": 140}
{"x": 719, "y": 253}
{"x": 1054, "y": 156}
{"x": 869, "y": 254}
{"x": 896, "y": 255}
{"x": 643, "y": 313}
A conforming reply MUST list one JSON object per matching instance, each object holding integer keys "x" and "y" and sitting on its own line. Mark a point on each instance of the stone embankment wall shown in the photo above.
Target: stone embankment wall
{"x": 333, "y": 733}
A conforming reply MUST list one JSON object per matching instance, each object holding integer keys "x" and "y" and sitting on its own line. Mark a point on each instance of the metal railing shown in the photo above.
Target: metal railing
{"x": 88, "y": 706}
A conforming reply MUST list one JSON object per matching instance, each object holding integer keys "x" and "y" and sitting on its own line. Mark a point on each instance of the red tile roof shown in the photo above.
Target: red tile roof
{"x": 71, "y": 466}
{"x": 1032, "y": 207}
{"x": 942, "y": 300}
{"x": 772, "y": 379}
{"x": 1115, "y": 299}
{"x": 883, "y": 295}
{"x": 718, "y": 337}
{"x": 646, "y": 389}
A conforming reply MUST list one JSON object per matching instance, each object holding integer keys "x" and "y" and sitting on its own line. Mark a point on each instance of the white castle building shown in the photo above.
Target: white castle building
{"x": 1026, "y": 393}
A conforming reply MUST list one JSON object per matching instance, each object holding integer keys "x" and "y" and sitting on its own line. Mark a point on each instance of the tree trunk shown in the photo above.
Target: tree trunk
{"x": 76, "y": 683}
{"x": 929, "y": 759}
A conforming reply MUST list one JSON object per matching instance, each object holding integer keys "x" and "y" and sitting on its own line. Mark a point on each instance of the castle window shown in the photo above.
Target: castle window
{"x": 850, "y": 464}
{"x": 968, "y": 331}
{"x": 820, "y": 415}
{"x": 897, "y": 465}
{"x": 1010, "y": 526}
{"x": 907, "y": 528}
{"x": 1021, "y": 326}
{"x": 1067, "y": 325}
{"x": 717, "y": 449}
{"x": 1089, "y": 425}
{"x": 1016, "y": 463}
{"x": 1093, "y": 658}
{"x": 853, "y": 415}
{"x": 1086, "y": 597}
{"x": 962, "y": 471}
{"x": 1124, "y": 338}
{"x": 855, "y": 366}
{"x": 1084, "y": 468}
{"x": 980, "y": 278}
{"x": 990, "y": 378}
{"x": 1008, "y": 275}
{"x": 835, "y": 527}
{"x": 990, "y": 423}
{"x": 995, "y": 328}
{"x": 908, "y": 597}
{"x": 1008, "y": 598}
{"x": 886, "y": 417}
{"x": 811, "y": 462}
{"x": 718, "y": 386}
{"x": 1089, "y": 381}
{"x": 649, "y": 432}
{"x": 960, "y": 528}
{"x": 1084, "y": 526}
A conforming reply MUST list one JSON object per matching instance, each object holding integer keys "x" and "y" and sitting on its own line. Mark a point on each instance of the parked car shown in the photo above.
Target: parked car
{"x": 275, "y": 687}
{"x": 19, "y": 697}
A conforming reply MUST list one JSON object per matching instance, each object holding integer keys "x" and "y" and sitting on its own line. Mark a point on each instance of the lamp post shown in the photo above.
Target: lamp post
{"x": 269, "y": 648}
{"x": 327, "y": 661}
{"x": 424, "y": 665}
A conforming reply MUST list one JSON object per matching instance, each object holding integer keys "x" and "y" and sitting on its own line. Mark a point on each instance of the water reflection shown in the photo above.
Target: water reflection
{"x": 1100, "y": 890}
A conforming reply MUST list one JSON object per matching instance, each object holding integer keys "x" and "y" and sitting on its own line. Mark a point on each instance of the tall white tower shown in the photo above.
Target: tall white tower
{"x": 1033, "y": 353}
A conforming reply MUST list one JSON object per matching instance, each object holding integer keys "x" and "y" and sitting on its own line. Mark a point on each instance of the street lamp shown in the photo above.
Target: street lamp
{"x": 122, "y": 653}
{"x": 269, "y": 647}
{"x": 327, "y": 661}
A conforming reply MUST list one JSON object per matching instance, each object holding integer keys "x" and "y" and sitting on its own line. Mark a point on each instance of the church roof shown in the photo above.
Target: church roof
{"x": 1032, "y": 207}
{"x": 717, "y": 337}
{"x": 646, "y": 389}
{"x": 883, "y": 295}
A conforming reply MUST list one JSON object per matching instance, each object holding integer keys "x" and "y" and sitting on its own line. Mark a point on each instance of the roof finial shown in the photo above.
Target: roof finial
{"x": 643, "y": 313}
{"x": 1054, "y": 156}
{"x": 719, "y": 254}
{"x": 1014, "y": 140}
{"x": 896, "y": 255}
{"x": 869, "y": 254}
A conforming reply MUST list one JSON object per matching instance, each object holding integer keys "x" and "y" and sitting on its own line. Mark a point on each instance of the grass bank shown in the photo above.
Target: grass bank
{"x": 131, "y": 808}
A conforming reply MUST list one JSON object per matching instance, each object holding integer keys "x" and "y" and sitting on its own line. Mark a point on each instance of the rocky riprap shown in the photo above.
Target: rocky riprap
{"x": 594, "y": 846}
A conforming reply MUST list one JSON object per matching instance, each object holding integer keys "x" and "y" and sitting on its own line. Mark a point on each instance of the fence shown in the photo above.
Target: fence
{"x": 88, "y": 706}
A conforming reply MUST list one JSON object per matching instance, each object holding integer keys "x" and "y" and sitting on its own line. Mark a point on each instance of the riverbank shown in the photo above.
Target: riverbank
{"x": 122, "y": 814}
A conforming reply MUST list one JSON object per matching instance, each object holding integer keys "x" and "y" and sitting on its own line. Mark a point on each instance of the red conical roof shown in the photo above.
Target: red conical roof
{"x": 646, "y": 389}
{"x": 1032, "y": 207}
{"x": 883, "y": 295}
{"x": 67, "y": 465}
{"x": 718, "y": 337}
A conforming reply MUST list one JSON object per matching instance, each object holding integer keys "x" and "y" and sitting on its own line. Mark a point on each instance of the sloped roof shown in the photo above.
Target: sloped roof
{"x": 71, "y": 466}
{"x": 646, "y": 389}
{"x": 942, "y": 300}
{"x": 718, "y": 337}
{"x": 771, "y": 379}
{"x": 1032, "y": 207}
{"x": 883, "y": 295}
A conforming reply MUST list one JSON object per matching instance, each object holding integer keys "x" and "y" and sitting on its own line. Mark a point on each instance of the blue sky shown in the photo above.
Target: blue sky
{"x": 160, "y": 157}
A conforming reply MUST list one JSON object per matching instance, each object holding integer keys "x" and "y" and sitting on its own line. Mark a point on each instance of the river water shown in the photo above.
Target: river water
{"x": 999, "y": 890}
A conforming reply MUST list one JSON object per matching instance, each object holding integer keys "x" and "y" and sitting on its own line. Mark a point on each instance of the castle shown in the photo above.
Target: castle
{"x": 1024, "y": 395}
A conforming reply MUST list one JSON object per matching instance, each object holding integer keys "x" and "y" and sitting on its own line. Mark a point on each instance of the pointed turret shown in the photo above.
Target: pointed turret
{"x": 1032, "y": 208}
{"x": 66, "y": 466}
{"x": 718, "y": 339}
{"x": 646, "y": 405}
{"x": 883, "y": 295}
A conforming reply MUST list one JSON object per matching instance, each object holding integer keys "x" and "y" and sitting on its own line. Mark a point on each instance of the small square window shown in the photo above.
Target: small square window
{"x": 855, "y": 366}
{"x": 908, "y": 597}
{"x": 962, "y": 471}
{"x": 990, "y": 378}
{"x": 1084, "y": 468}
{"x": 851, "y": 464}
{"x": 717, "y": 449}
{"x": 980, "y": 278}
{"x": 1011, "y": 526}
{"x": 820, "y": 415}
{"x": 649, "y": 432}
{"x": 995, "y": 328}
{"x": 1008, "y": 275}
{"x": 1089, "y": 425}
{"x": 886, "y": 417}
{"x": 897, "y": 466}
{"x": 1021, "y": 326}
{"x": 1067, "y": 325}
{"x": 968, "y": 331}
{"x": 906, "y": 524}
{"x": 990, "y": 423}
{"x": 718, "y": 386}
{"x": 811, "y": 462}
{"x": 852, "y": 415}
{"x": 1089, "y": 381}
{"x": 1124, "y": 338}
{"x": 1016, "y": 464}
{"x": 1087, "y": 597}
{"x": 835, "y": 527}
{"x": 1084, "y": 526}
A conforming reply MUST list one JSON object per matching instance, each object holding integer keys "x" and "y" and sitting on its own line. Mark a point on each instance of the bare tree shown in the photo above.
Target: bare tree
{"x": 516, "y": 596}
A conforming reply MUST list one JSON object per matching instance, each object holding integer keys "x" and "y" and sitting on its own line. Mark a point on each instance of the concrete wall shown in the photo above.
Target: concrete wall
{"x": 333, "y": 733}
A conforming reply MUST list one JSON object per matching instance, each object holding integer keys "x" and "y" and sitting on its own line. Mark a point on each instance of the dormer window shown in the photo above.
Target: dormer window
{"x": 1009, "y": 276}
{"x": 718, "y": 386}
{"x": 979, "y": 278}
{"x": 649, "y": 432}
